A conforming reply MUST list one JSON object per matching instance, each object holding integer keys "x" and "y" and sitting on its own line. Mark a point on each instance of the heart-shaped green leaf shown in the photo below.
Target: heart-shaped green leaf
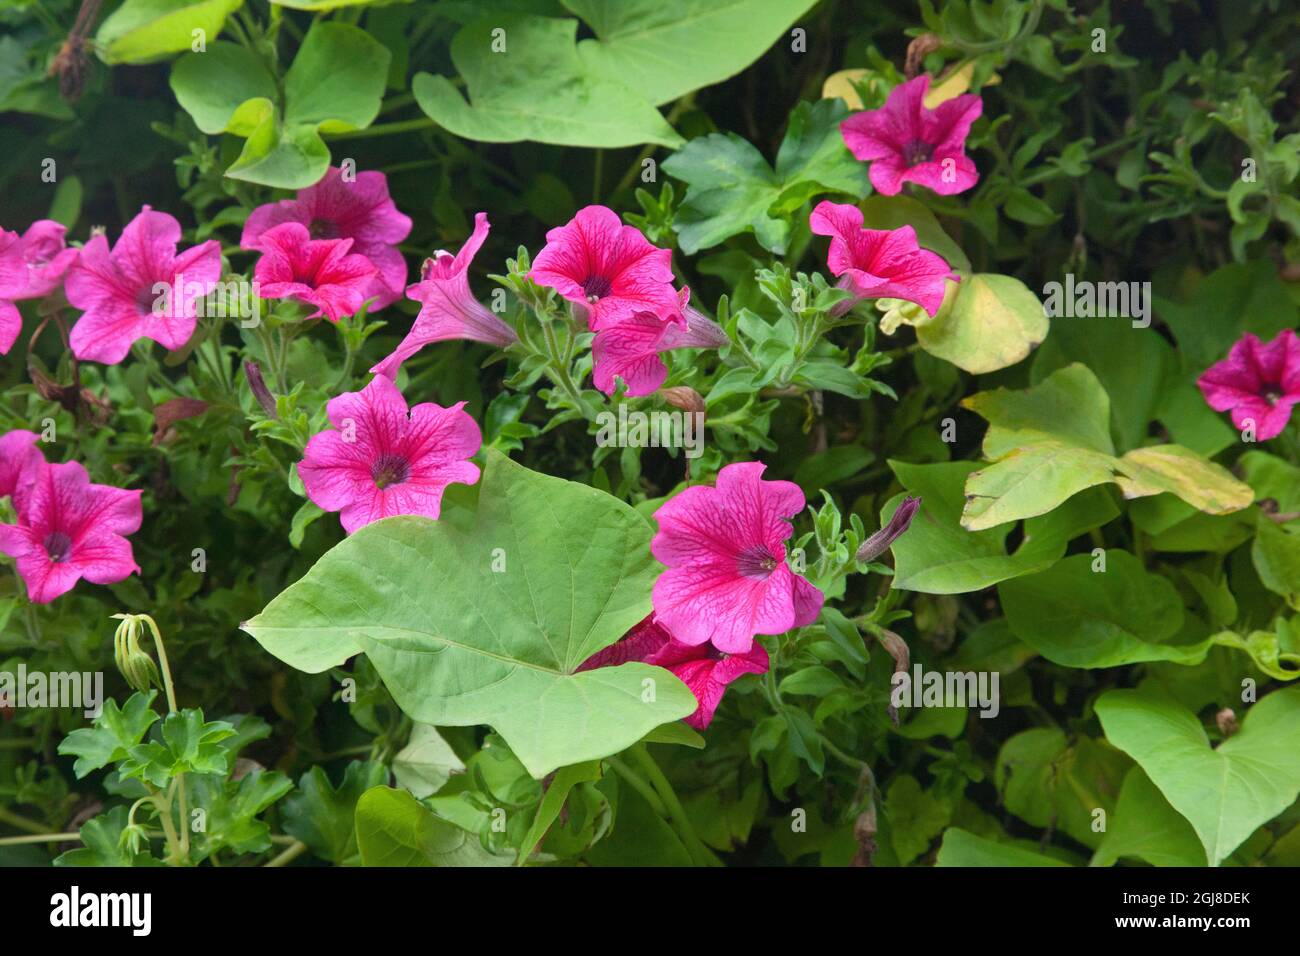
{"x": 1079, "y": 617}
{"x": 459, "y": 643}
{"x": 140, "y": 31}
{"x": 1227, "y": 792}
{"x": 394, "y": 829}
{"x": 336, "y": 83}
{"x": 526, "y": 81}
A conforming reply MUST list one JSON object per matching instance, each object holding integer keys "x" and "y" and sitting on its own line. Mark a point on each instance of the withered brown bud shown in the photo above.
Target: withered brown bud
{"x": 1227, "y": 721}
{"x": 683, "y": 397}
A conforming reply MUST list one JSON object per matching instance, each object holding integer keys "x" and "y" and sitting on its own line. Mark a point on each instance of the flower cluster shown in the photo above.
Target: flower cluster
{"x": 67, "y": 527}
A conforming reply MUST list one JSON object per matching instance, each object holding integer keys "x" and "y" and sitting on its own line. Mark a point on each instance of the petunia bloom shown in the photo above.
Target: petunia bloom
{"x": 31, "y": 266}
{"x": 609, "y": 269}
{"x": 13, "y": 280}
{"x": 448, "y": 309}
{"x": 319, "y": 272}
{"x": 19, "y": 461}
{"x": 141, "y": 289}
{"x": 724, "y": 548}
{"x": 880, "y": 263}
{"x": 906, "y": 142}
{"x": 630, "y": 349}
{"x": 70, "y": 529}
{"x": 701, "y": 667}
{"x": 381, "y": 460}
{"x": 334, "y": 208}
{"x": 1259, "y": 382}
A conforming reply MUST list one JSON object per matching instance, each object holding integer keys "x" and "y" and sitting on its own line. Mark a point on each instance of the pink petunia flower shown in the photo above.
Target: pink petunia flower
{"x": 319, "y": 272}
{"x": 140, "y": 290}
{"x": 906, "y": 142}
{"x": 381, "y": 460}
{"x": 19, "y": 461}
{"x": 701, "y": 667}
{"x": 1259, "y": 382}
{"x": 880, "y": 263}
{"x": 448, "y": 308}
{"x": 727, "y": 576}
{"x": 47, "y": 257}
{"x": 360, "y": 210}
{"x": 13, "y": 280}
{"x": 630, "y": 349}
{"x": 607, "y": 268}
{"x": 70, "y": 529}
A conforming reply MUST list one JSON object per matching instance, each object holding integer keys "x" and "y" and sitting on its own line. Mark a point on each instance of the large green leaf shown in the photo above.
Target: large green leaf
{"x": 987, "y": 322}
{"x": 394, "y": 829}
{"x": 323, "y": 816}
{"x": 1146, "y": 827}
{"x": 336, "y": 83}
{"x": 1051, "y": 441}
{"x": 938, "y": 556}
{"x": 1078, "y": 617}
{"x": 460, "y": 644}
{"x": 536, "y": 88}
{"x": 963, "y": 848}
{"x": 1049, "y": 781}
{"x": 666, "y": 48}
{"x": 1227, "y": 792}
{"x": 732, "y": 189}
{"x": 140, "y": 31}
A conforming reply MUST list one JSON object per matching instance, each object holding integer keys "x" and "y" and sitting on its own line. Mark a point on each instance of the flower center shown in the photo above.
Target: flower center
{"x": 57, "y": 545}
{"x": 757, "y": 562}
{"x": 596, "y": 287}
{"x": 390, "y": 470}
{"x": 917, "y": 152}
{"x": 321, "y": 229}
{"x": 1272, "y": 395}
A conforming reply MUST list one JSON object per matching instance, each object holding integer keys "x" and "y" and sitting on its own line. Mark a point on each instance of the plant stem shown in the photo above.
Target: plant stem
{"x": 385, "y": 129}
{"x": 295, "y": 850}
{"x": 39, "y": 838}
{"x": 19, "y": 822}
{"x": 703, "y": 855}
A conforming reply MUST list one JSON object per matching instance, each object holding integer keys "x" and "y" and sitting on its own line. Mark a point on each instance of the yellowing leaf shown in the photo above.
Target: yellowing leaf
{"x": 1180, "y": 471}
{"x": 986, "y": 323}
{"x": 954, "y": 84}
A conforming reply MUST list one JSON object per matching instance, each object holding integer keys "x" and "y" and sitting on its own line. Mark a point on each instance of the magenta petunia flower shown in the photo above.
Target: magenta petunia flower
{"x": 727, "y": 576}
{"x": 70, "y": 529}
{"x": 140, "y": 290}
{"x": 13, "y": 280}
{"x": 381, "y": 460}
{"x": 320, "y": 272}
{"x": 630, "y": 349}
{"x": 448, "y": 308}
{"x": 701, "y": 667}
{"x": 31, "y": 266}
{"x": 906, "y": 142}
{"x": 19, "y": 461}
{"x": 607, "y": 268}
{"x": 47, "y": 257}
{"x": 360, "y": 210}
{"x": 1258, "y": 382}
{"x": 880, "y": 263}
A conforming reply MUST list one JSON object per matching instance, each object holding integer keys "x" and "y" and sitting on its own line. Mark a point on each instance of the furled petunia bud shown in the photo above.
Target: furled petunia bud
{"x": 881, "y": 541}
{"x": 257, "y": 385}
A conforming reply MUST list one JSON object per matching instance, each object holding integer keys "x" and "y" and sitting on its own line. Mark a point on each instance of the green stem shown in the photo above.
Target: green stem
{"x": 295, "y": 850}
{"x": 19, "y": 822}
{"x": 703, "y": 855}
{"x": 633, "y": 780}
{"x": 384, "y": 129}
{"x": 39, "y": 838}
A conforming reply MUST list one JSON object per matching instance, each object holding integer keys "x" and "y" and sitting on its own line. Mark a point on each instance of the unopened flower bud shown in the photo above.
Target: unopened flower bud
{"x": 882, "y": 540}
{"x": 683, "y": 397}
{"x": 257, "y": 385}
{"x": 132, "y": 660}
